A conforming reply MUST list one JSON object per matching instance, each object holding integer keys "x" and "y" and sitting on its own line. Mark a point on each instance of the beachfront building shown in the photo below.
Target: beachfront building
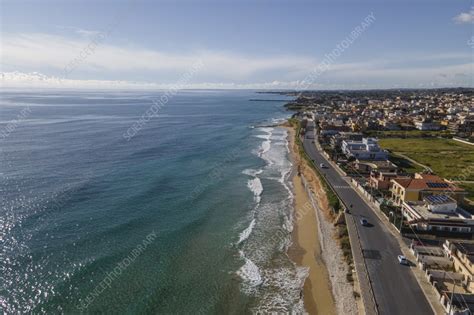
{"x": 462, "y": 254}
{"x": 421, "y": 185}
{"x": 437, "y": 213}
{"x": 366, "y": 149}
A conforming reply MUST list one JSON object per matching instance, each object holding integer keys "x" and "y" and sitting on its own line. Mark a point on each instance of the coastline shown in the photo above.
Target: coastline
{"x": 326, "y": 290}
{"x": 306, "y": 249}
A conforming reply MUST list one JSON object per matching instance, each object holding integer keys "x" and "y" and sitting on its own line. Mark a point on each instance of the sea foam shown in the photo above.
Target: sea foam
{"x": 246, "y": 233}
{"x": 250, "y": 273}
{"x": 255, "y": 185}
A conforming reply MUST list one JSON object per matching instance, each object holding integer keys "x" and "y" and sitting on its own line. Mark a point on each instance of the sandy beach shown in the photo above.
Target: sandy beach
{"x": 306, "y": 249}
{"x": 315, "y": 246}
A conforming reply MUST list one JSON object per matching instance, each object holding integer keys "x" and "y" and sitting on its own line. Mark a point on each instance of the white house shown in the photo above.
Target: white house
{"x": 367, "y": 149}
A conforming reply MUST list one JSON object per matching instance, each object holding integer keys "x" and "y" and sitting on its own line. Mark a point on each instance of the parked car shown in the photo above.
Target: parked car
{"x": 322, "y": 165}
{"x": 364, "y": 222}
{"x": 402, "y": 260}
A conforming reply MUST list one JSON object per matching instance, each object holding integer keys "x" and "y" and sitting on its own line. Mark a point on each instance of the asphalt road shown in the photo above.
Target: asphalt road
{"x": 395, "y": 287}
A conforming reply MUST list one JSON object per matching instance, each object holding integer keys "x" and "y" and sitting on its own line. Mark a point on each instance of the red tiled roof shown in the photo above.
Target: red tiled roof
{"x": 422, "y": 183}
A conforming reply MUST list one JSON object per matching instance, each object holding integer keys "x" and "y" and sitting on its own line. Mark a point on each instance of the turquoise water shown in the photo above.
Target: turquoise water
{"x": 190, "y": 215}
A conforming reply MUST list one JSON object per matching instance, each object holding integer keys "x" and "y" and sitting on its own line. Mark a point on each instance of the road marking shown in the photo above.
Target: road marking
{"x": 342, "y": 187}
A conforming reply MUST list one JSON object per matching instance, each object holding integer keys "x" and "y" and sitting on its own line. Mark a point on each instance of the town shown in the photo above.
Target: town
{"x": 409, "y": 154}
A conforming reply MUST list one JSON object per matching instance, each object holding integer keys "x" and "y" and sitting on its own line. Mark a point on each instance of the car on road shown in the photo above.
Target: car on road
{"x": 364, "y": 222}
{"x": 322, "y": 165}
{"x": 402, "y": 260}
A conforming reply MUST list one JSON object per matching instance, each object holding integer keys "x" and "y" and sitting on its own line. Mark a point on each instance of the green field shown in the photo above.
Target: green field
{"x": 470, "y": 189}
{"x": 408, "y": 166}
{"x": 407, "y": 133}
{"x": 447, "y": 158}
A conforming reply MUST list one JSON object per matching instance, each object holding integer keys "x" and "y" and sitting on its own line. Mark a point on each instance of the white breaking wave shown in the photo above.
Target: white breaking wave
{"x": 252, "y": 172}
{"x": 264, "y": 137}
{"x": 266, "y": 129}
{"x": 250, "y": 274}
{"x": 255, "y": 185}
{"x": 267, "y": 273}
{"x": 285, "y": 297}
{"x": 266, "y": 145}
{"x": 246, "y": 233}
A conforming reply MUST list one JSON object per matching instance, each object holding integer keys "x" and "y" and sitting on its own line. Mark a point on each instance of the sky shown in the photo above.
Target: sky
{"x": 351, "y": 44}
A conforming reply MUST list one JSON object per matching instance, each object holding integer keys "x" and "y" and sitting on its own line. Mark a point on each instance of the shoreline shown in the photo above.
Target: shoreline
{"x": 306, "y": 250}
{"x": 315, "y": 245}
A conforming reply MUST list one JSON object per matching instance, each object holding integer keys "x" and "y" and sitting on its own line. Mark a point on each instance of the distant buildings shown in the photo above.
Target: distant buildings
{"x": 425, "y": 110}
{"x": 426, "y": 125}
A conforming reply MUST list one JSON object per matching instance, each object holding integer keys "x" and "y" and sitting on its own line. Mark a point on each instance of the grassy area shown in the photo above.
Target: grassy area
{"x": 470, "y": 189}
{"x": 447, "y": 158}
{"x": 406, "y": 133}
{"x": 407, "y": 165}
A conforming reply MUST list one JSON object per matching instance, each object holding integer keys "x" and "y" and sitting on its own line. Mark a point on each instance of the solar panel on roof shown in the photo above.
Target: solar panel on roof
{"x": 437, "y": 198}
{"x": 437, "y": 185}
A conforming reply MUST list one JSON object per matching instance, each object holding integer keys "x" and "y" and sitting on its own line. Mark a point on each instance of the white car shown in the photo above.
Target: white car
{"x": 402, "y": 260}
{"x": 322, "y": 165}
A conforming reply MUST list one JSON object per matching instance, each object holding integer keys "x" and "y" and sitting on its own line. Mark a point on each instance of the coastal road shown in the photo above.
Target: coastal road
{"x": 395, "y": 287}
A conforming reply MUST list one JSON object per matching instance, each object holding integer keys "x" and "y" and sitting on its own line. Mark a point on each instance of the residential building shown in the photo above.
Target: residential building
{"x": 367, "y": 149}
{"x": 382, "y": 180}
{"x": 337, "y": 139}
{"x": 426, "y": 124}
{"x": 414, "y": 189}
{"x": 437, "y": 213}
{"x": 462, "y": 254}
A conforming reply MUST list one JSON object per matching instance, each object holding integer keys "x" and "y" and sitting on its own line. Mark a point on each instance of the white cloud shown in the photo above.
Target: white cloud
{"x": 79, "y": 31}
{"x": 51, "y": 54}
{"x": 40, "y": 51}
{"x": 465, "y": 17}
{"x": 361, "y": 78}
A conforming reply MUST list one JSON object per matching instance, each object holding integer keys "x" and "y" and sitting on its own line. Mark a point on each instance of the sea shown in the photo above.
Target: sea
{"x": 106, "y": 208}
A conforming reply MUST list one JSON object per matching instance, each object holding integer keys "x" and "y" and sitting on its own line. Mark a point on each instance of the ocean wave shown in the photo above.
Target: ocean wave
{"x": 250, "y": 274}
{"x": 287, "y": 285}
{"x": 255, "y": 185}
{"x": 267, "y": 273}
{"x": 279, "y": 120}
{"x": 266, "y": 129}
{"x": 264, "y": 137}
{"x": 252, "y": 172}
{"x": 266, "y": 145}
{"x": 246, "y": 233}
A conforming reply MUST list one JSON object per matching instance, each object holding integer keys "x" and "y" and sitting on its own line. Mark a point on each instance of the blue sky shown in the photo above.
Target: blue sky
{"x": 274, "y": 44}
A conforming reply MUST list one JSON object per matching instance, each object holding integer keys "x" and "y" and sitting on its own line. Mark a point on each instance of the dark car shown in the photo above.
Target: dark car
{"x": 364, "y": 222}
